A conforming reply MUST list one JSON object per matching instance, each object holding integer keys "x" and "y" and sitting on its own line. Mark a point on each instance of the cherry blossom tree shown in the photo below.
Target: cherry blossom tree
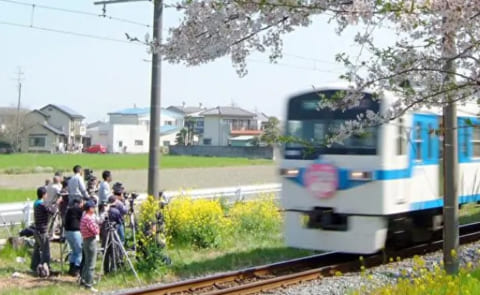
{"x": 415, "y": 66}
{"x": 433, "y": 63}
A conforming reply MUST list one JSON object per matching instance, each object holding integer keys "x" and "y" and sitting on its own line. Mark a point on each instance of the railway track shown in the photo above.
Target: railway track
{"x": 282, "y": 274}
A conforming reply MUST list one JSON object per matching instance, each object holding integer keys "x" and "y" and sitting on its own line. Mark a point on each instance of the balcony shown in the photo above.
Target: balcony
{"x": 79, "y": 130}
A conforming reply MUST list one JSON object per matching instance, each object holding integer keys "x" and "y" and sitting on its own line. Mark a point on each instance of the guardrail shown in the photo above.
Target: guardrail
{"x": 16, "y": 213}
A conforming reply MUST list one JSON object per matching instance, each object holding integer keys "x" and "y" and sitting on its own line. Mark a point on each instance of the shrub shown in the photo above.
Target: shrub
{"x": 258, "y": 217}
{"x": 201, "y": 223}
{"x": 150, "y": 237}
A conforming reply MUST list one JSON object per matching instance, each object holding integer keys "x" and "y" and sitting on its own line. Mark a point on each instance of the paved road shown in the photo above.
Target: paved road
{"x": 170, "y": 179}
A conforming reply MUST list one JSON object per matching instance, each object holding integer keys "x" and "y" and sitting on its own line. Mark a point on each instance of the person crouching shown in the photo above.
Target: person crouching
{"x": 89, "y": 230}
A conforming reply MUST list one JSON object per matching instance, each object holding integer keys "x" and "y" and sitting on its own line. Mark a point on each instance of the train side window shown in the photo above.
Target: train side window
{"x": 476, "y": 141}
{"x": 418, "y": 141}
{"x": 401, "y": 138}
{"x": 463, "y": 137}
{"x": 430, "y": 132}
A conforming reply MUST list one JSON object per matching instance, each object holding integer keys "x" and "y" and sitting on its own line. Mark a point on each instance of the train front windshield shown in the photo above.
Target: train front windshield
{"x": 308, "y": 126}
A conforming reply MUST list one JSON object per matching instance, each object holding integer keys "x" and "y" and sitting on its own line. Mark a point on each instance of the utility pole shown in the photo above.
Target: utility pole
{"x": 450, "y": 171}
{"x": 155, "y": 94}
{"x": 17, "y": 117}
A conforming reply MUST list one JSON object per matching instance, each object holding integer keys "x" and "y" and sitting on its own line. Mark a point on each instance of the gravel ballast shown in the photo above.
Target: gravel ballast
{"x": 379, "y": 276}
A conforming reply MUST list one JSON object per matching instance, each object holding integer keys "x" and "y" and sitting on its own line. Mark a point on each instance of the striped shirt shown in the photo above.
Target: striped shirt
{"x": 88, "y": 226}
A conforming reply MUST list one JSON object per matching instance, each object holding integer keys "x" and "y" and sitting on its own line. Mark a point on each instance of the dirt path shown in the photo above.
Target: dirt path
{"x": 170, "y": 179}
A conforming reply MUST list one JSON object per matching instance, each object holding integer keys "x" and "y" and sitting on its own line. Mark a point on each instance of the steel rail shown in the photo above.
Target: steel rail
{"x": 277, "y": 275}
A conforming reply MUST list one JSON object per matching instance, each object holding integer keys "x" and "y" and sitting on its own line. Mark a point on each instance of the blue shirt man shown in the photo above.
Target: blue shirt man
{"x": 76, "y": 186}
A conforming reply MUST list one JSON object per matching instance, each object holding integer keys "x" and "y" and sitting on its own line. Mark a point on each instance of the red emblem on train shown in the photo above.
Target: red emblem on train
{"x": 321, "y": 179}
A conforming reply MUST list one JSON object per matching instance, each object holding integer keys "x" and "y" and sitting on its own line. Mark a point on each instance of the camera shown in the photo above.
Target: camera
{"x": 88, "y": 174}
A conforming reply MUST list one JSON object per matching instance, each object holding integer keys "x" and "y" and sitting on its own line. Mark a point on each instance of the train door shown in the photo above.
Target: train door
{"x": 424, "y": 158}
{"x": 402, "y": 187}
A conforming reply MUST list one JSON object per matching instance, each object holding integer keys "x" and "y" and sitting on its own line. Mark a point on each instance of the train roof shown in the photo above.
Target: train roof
{"x": 466, "y": 109}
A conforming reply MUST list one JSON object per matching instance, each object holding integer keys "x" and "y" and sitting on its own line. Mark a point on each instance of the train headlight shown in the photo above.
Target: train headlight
{"x": 289, "y": 172}
{"x": 360, "y": 175}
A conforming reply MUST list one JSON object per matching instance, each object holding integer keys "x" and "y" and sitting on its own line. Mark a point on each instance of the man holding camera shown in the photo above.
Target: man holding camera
{"x": 76, "y": 186}
{"x": 117, "y": 210}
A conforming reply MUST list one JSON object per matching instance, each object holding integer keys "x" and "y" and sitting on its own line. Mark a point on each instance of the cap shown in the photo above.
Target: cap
{"x": 112, "y": 199}
{"x": 88, "y": 205}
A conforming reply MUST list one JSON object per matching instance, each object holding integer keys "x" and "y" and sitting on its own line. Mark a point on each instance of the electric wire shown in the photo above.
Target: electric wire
{"x": 74, "y": 11}
{"x": 65, "y": 32}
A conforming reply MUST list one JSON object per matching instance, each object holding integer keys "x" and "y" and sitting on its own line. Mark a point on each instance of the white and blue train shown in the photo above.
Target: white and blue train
{"x": 382, "y": 186}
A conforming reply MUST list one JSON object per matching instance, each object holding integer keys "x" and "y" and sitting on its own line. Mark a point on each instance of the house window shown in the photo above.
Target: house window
{"x": 207, "y": 141}
{"x": 139, "y": 142}
{"x": 401, "y": 139}
{"x": 37, "y": 141}
{"x": 120, "y": 143}
{"x": 476, "y": 141}
{"x": 166, "y": 143}
{"x": 418, "y": 141}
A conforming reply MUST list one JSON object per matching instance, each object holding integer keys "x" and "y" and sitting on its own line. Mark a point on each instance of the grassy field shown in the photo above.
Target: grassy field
{"x": 187, "y": 262}
{"x": 16, "y": 195}
{"x": 28, "y": 163}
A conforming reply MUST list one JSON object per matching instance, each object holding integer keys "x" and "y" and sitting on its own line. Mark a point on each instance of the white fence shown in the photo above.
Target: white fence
{"x": 16, "y": 213}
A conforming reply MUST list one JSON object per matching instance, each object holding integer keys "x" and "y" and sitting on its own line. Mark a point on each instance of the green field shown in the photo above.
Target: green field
{"x": 16, "y": 195}
{"x": 28, "y": 163}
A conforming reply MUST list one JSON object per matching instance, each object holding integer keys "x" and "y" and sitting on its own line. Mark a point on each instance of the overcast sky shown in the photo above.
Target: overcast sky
{"x": 95, "y": 77}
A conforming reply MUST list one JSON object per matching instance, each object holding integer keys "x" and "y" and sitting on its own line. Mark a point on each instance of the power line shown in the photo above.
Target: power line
{"x": 74, "y": 11}
{"x": 71, "y": 33}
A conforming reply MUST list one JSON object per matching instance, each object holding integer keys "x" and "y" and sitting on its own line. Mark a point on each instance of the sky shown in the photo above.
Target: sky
{"x": 95, "y": 77}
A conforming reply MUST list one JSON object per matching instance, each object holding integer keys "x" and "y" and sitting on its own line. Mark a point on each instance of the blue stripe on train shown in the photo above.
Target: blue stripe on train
{"x": 437, "y": 203}
{"x": 345, "y": 183}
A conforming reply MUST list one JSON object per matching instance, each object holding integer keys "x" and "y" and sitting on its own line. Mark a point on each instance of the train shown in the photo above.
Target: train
{"x": 379, "y": 188}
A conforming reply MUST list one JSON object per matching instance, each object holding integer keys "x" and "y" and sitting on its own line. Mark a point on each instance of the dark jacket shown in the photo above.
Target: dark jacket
{"x": 116, "y": 212}
{"x": 41, "y": 215}
{"x": 72, "y": 218}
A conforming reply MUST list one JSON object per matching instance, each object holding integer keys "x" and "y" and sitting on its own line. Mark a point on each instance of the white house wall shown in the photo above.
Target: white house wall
{"x": 123, "y": 119}
{"x": 168, "y": 139}
{"x": 216, "y": 130}
{"x": 122, "y": 135}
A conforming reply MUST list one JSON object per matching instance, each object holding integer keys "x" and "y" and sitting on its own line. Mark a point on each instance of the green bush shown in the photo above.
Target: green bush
{"x": 201, "y": 223}
{"x": 150, "y": 242}
{"x": 258, "y": 217}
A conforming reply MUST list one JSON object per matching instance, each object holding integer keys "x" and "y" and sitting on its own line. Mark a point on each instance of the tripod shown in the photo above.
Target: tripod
{"x": 114, "y": 253}
{"x": 132, "y": 223}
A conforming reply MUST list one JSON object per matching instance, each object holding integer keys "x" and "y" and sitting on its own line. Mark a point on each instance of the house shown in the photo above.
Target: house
{"x": 224, "y": 124}
{"x": 193, "y": 120}
{"x": 53, "y": 128}
{"x": 128, "y": 130}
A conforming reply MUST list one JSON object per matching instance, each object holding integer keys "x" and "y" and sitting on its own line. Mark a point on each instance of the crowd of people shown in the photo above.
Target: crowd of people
{"x": 81, "y": 212}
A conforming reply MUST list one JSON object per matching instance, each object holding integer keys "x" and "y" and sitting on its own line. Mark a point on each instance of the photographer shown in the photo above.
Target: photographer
{"x": 54, "y": 189}
{"x": 76, "y": 186}
{"x": 89, "y": 230}
{"x": 116, "y": 211}
{"x": 104, "y": 188}
{"x": 73, "y": 236}
{"x": 41, "y": 214}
